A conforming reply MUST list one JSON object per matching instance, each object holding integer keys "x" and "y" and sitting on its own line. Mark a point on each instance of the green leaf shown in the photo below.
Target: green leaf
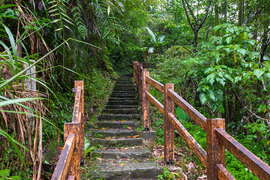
{"x": 258, "y": 73}
{"x": 203, "y": 98}
{"x": 11, "y": 40}
{"x": 152, "y": 34}
{"x": 15, "y": 177}
{"x": 4, "y": 173}
{"x": 15, "y": 101}
{"x": 212, "y": 95}
{"x": 12, "y": 140}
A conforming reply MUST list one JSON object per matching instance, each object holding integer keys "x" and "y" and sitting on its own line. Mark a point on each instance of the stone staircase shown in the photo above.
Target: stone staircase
{"x": 122, "y": 155}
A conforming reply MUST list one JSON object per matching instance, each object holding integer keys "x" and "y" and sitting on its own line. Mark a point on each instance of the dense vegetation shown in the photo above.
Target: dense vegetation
{"x": 215, "y": 52}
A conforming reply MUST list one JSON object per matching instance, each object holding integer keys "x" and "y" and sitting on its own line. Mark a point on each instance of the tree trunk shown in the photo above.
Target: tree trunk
{"x": 216, "y": 13}
{"x": 241, "y": 4}
{"x": 225, "y": 9}
{"x": 196, "y": 36}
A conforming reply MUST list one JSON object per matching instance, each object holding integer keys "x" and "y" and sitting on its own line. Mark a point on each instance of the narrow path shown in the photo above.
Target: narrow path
{"x": 123, "y": 154}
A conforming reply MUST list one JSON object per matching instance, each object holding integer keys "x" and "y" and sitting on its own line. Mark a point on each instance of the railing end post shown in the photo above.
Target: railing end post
{"x": 144, "y": 101}
{"x": 215, "y": 150}
{"x": 168, "y": 127}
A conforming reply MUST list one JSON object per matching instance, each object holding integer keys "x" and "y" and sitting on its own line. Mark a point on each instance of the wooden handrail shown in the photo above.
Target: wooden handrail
{"x": 256, "y": 165}
{"x": 154, "y": 101}
{"x": 223, "y": 173}
{"x": 191, "y": 142}
{"x": 191, "y": 111}
{"x": 159, "y": 86}
{"x": 217, "y": 138}
{"x": 68, "y": 165}
{"x": 62, "y": 166}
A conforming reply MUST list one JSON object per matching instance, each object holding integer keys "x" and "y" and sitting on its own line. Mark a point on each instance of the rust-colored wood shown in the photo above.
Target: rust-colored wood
{"x": 168, "y": 127}
{"x": 68, "y": 165}
{"x": 140, "y": 81}
{"x": 191, "y": 142}
{"x": 155, "y": 84}
{"x": 191, "y": 111}
{"x": 74, "y": 128}
{"x": 77, "y": 106}
{"x": 71, "y": 178}
{"x": 79, "y": 85}
{"x": 215, "y": 150}
{"x": 223, "y": 174}
{"x": 253, "y": 163}
{"x": 145, "y": 103}
{"x": 79, "y": 97}
{"x": 155, "y": 102}
{"x": 62, "y": 167}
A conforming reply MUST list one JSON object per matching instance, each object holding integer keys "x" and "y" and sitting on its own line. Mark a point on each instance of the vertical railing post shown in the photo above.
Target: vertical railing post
{"x": 140, "y": 81}
{"x": 79, "y": 85}
{"x": 74, "y": 128}
{"x": 145, "y": 103}
{"x": 168, "y": 127}
{"x": 215, "y": 150}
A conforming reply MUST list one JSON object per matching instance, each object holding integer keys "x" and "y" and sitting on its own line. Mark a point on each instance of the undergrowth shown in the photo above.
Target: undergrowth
{"x": 255, "y": 132}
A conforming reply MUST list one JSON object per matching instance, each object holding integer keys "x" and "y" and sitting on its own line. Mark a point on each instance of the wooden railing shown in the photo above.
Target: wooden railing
{"x": 217, "y": 138}
{"x": 68, "y": 165}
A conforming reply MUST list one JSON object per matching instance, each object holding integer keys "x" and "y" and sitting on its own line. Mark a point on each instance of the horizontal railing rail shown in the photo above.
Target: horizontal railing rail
{"x": 217, "y": 138}
{"x": 68, "y": 164}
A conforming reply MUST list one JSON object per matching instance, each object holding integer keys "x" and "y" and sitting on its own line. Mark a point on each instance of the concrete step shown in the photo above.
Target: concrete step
{"x": 123, "y": 95}
{"x": 126, "y": 102}
{"x": 137, "y": 152}
{"x": 119, "y": 117}
{"x": 122, "y": 111}
{"x": 127, "y": 170}
{"x": 123, "y": 99}
{"x": 124, "y": 81}
{"x": 113, "y": 132}
{"x": 118, "y": 142}
{"x": 128, "y": 84}
{"x": 120, "y": 106}
{"x": 126, "y": 92}
{"x": 125, "y": 88}
{"x": 117, "y": 124}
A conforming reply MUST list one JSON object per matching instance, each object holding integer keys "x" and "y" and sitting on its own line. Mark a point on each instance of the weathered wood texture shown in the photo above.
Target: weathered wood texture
{"x": 217, "y": 138}
{"x": 62, "y": 167}
{"x": 145, "y": 103}
{"x": 155, "y": 84}
{"x": 223, "y": 174}
{"x": 154, "y": 101}
{"x": 215, "y": 151}
{"x": 68, "y": 165}
{"x": 168, "y": 127}
{"x": 191, "y": 142}
{"x": 191, "y": 111}
{"x": 256, "y": 165}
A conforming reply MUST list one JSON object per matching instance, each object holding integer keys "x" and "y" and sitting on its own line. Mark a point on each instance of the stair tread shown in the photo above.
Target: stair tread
{"x": 108, "y": 115}
{"x": 126, "y": 152}
{"x": 114, "y": 141}
{"x": 114, "y": 132}
{"x": 127, "y": 169}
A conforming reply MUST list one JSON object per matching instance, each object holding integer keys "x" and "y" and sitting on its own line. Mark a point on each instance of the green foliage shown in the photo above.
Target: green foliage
{"x": 81, "y": 28}
{"x": 167, "y": 175}
{"x": 58, "y": 11}
{"x": 5, "y": 175}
